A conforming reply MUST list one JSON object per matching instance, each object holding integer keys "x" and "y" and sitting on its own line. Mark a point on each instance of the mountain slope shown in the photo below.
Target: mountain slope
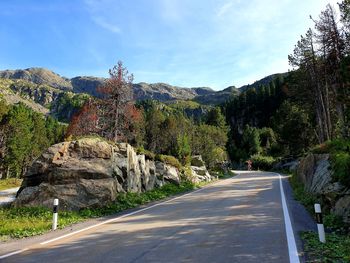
{"x": 39, "y": 76}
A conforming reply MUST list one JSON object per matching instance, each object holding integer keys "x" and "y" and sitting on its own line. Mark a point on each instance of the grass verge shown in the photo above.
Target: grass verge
{"x": 336, "y": 248}
{"x": 30, "y": 221}
{"x": 10, "y": 183}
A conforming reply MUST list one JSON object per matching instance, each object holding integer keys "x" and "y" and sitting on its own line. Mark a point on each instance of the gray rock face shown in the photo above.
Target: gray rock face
{"x": 90, "y": 173}
{"x": 322, "y": 176}
{"x": 316, "y": 174}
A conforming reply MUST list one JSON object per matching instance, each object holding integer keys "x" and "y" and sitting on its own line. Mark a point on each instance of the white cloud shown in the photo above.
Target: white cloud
{"x": 100, "y": 21}
{"x": 224, "y": 9}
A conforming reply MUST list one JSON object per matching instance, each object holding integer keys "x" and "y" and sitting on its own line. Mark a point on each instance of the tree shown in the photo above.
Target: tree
{"x": 294, "y": 128}
{"x": 84, "y": 122}
{"x": 19, "y": 140}
{"x": 39, "y": 139}
{"x": 117, "y": 96}
{"x": 251, "y": 140}
{"x": 216, "y": 118}
{"x": 305, "y": 59}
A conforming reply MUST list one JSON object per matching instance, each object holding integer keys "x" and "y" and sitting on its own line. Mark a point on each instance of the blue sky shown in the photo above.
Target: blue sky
{"x": 190, "y": 43}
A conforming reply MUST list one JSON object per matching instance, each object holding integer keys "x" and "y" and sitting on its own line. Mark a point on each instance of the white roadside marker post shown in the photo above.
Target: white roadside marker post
{"x": 319, "y": 222}
{"x": 55, "y": 214}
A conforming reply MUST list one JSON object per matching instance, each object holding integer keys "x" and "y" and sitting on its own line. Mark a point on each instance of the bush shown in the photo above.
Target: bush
{"x": 338, "y": 145}
{"x": 262, "y": 162}
{"x": 168, "y": 159}
{"x": 341, "y": 167}
{"x": 148, "y": 154}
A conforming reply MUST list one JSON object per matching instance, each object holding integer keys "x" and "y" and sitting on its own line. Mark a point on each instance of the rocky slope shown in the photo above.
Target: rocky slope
{"x": 316, "y": 174}
{"x": 91, "y": 172}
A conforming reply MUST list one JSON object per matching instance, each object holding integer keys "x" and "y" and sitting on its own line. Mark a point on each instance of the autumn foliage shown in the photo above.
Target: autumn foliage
{"x": 112, "y": 116}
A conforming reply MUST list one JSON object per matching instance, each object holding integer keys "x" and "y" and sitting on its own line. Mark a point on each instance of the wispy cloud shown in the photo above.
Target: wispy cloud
{"x": 224, "y": 9}
{"x": 100, "y": 21}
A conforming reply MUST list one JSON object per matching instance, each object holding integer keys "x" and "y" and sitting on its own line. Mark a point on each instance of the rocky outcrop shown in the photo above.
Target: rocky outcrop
{"x": 41, "y": 94}
{"x": 89, "y": 173}
{"x": 315, "y": 172}
{"x": 199, "y": 170}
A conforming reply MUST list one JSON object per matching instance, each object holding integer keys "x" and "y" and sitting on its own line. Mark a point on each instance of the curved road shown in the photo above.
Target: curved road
{"x": 240, "y": 219}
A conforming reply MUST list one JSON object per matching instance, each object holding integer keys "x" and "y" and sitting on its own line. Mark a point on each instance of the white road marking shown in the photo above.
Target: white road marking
{"x": 13, "y": 253}
{"x": 292, "y": 248}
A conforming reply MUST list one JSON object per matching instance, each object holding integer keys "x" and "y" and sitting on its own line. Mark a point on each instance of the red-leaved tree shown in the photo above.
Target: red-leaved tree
{"x": 114, "y": 115}
{"x": 84, "y": 122}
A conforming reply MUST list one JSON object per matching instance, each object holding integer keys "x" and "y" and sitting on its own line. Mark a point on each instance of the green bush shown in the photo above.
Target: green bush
{"x": 341, "y": 167}
{"x": 168, "y": 159}
{"x": 148, "y": 154}
{"x": 334, "y": 146}
{"x": 262, "y": 162}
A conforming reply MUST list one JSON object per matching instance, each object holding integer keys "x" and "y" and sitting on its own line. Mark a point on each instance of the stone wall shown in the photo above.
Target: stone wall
{"x": 315, "y": 172}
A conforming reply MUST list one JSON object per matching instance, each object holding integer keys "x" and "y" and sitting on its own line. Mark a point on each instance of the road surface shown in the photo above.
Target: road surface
{"x": 240, "y": 219}
{"x": 8, "y": 195}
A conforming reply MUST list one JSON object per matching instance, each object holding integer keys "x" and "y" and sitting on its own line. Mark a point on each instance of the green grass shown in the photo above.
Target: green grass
{"x": 305, "y": 198}
{"x": 10, "y": 183}
{"x": 336, "y": 248}
{"x": 30, "y": 221}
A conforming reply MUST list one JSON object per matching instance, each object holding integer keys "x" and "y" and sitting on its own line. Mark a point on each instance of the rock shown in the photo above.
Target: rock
{"x": 199, "y": 171}
{"x": 90, "y": 172}
{"x": 316, "y": 174}
{"x": 321, "y": 178}
{"x": 166, "y": 173}
{"x": 342, "y": 208}
{"x": 307, "y": 168}
{"x": 81, "y": 194}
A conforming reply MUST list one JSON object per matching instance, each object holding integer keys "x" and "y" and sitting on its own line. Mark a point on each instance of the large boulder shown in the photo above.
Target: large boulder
{"x": 90, "y": 172}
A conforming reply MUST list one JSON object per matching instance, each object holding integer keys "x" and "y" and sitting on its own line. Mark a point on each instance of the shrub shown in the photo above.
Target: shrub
{"x": 168, "y": 159}
{"x": 341, "y": 167}
{"x": 334, "y": 146}
{"x": 262, "y": 162}
{"x": 148, "y": 154}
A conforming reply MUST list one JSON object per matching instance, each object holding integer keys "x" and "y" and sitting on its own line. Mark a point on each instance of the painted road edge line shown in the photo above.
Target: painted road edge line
{"x": 105, "y": 222}
{"x": 292, "y": 248}
{"x": 13, "y": 253}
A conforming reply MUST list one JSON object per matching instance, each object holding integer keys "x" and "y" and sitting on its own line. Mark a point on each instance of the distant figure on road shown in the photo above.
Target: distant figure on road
{"x": 249, "y": 164}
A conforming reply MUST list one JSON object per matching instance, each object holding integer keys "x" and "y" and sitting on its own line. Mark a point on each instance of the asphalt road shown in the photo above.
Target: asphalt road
{"x": 240, "y": 219}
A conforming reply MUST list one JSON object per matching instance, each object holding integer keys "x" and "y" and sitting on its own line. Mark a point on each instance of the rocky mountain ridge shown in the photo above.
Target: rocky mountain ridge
{"x": 142, "y": 91}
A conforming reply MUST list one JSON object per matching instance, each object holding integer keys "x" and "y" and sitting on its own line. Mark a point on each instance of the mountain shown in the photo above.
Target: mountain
{"x": 142, "y": 91}
{"x": 39, "y": 76}
{"x": 217, "y": 97}
{"x": 262, "y": 82}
